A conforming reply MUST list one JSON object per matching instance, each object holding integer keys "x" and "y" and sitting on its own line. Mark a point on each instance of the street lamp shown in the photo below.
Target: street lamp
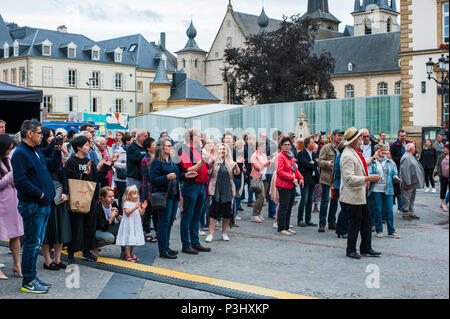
{"x": 90, "y": 94}
{"x": 443, "y": 83}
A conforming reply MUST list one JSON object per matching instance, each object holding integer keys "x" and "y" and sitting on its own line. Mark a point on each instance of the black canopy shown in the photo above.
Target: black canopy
{"x": 18, "y": 104}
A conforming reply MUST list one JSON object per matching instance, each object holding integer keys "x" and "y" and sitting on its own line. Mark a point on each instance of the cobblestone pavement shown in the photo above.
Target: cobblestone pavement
{"x": 308, "y": 263}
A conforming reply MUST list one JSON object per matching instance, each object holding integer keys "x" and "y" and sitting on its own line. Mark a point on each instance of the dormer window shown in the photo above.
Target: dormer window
{"x": 118, "y": 55}
{"x": 71, "y": 53}
{"x": 95, "y": 55}
{"x": 6, "y": 50}
{"x": 350, "y": 67}
{"x": 16, "y": 48}
{"x": 46, "y": 50}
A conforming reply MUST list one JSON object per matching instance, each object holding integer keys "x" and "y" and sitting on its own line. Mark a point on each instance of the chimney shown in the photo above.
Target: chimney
{"x": 62, "y": 29}
{"x": 162, "y": 41}
{"x": 178, "y": 77}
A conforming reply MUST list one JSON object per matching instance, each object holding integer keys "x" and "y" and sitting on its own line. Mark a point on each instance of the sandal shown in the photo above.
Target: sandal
{"x": 135, "y": 258}
{"x": 130, "y": 259}
{"x": 150, "y": 239}
{"x": 394, "y": 235}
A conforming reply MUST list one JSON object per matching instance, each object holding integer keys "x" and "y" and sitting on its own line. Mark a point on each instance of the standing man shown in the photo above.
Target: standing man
{"x": 88, "y": 127}
{"x": 308, "y": 167}
{"x": 368, "y": 144}
{"x": 35, "y": 191}
{"x": 355, "y": 181}
{"x": 327, "y": 156}
{"x": 438, "y": 145}
{"x": 193, "y": 191}
{"x": 412, "y": 176}
{"x": 2, "y": 127}
{"x": 382, "y": 140}
{"x": 135, "y": 153}
{"x": 397, "y": 150}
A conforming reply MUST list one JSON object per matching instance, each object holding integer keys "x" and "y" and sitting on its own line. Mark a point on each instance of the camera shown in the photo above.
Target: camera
{"x": 58, "y": 140}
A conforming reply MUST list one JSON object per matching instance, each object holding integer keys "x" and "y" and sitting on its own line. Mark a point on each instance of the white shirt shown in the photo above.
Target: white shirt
{"x": 310, "y": 155}
{"x": 366, "y": 150}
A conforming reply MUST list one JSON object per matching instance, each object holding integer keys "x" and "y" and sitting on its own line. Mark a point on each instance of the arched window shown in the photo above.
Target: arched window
{"x": 195, "y": 63}
{"x": 349, "y": 91}
{"x": 368, "y": 26}
{"x": 184, "y": 63}
{"x": 389, "y": 25}
{"x": 382, "y": 88}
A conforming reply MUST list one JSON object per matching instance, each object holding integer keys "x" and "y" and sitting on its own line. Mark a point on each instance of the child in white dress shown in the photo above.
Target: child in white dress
{"x": 130, "y": 232}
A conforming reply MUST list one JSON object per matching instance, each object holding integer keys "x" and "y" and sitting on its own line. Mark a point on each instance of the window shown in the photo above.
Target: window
{"x": 140, "y": 107}
{"x": 13, "y": 76}
{"x": 5, "y": 76}
{"x": 195, "y": 63}
{"x": 118, "y": 81}
{"x": 46, "y": 50}
{"x": 95, "y": 106}
{"x": 139, "y": 86}
{"x": 47, "y": 76}
{"x": 368, "y": 26}
{"x": 389, "y": 25}
{"x": 184, "y": 63}
{"x": 349, "y": 91}
{"x": 95, "y": 55}
{"x": 118, "y": 57}
{"x": 118, "y": 105}
{"x": 6, "y": 51}
{"x": 71, "y": 104}
{"x": 445, "y": 22}
{"x": 132, "y": 48}
{"x": 350, "y": 67}
{"x": 398, "y": 87}
{"x": 47, "y": 100}
{"x": 229, "y": 41}
{"x": 71, "y": 53}
{"x": 72, "y": 78}
{"x": 22, "y": 76}
{"x": 95, "y": 79}
{"x": 423, "y": 87}
{"x": 382, "y": 89}
{"x": 16, "y": 50}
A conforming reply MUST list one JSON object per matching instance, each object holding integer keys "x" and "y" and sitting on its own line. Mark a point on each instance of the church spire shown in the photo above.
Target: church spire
{"x": 263, "y": 20}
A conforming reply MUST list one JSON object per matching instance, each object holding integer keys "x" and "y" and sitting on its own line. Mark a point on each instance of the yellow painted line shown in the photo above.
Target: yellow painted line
{"x": 199, "y": 279}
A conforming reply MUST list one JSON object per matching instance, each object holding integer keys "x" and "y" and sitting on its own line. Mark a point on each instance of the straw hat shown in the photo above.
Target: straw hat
{"x": 351, "y": 135}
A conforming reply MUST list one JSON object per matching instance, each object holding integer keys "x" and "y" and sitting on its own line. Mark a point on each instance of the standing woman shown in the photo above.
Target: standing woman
{"x": 222, "y": 171}
{"x": 120, "y": 175}
{"x": 428, "y": 159}
{"x": 11, "y": 224}
{"x": 83, "y": 226}
{"x": 58, "y": 226}
{"x": 165, "y": 178}
{"x": 442, "y": 169}
{"x": 288, "y": 178}
{"x": 149, "y": 144}
{"x": 259, "y": 163}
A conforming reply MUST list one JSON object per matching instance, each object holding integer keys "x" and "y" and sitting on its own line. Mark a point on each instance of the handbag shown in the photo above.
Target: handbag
{"x": 256, "y": 185}
{"x": 81, "y": 194}
{"x": 58, "y": 192}
{"x": 158, "y": 200}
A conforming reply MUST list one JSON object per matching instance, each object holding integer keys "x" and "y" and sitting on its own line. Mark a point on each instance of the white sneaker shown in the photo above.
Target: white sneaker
{"x": 209, "y": 238}
{"x": 275, "y": 225}
{"x": 238, "y": 218}
{"x": 434, "y": 190}
{"x": 225, "y": 237}
{"x": 284, "y": 233}
{"x": 427, "y": 190}
{"x": 201, "y": 233}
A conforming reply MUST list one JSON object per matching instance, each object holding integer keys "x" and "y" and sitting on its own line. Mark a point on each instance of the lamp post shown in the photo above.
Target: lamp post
{"x": 443, "y": 83}
{"x": 90, "y": 94}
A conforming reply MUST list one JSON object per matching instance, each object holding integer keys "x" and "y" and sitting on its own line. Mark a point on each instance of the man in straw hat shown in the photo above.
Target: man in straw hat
{"x": 353, "y": 193}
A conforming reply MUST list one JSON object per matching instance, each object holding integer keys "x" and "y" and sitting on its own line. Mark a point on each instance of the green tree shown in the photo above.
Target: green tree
{"x": 280, "y": 66}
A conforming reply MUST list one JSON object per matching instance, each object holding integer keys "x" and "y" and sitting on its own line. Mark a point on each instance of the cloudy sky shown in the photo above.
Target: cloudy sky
{"x": 105, "y": 19}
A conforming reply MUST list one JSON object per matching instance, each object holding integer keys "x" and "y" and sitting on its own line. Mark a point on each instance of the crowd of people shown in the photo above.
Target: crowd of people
{"x": 140, "y": 183}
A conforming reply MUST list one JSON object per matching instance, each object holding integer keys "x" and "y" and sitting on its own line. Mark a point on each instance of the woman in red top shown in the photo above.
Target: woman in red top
{"x": 288, "y": 176}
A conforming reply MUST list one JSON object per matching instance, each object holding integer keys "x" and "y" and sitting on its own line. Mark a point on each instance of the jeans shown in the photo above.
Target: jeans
{"x": 35, "y": 218}
{"x": 193, "y": 202}
{"x": 165, "y": 222}
{"x": 324, "y": 207}
{"x": 272, "y": 205}
{"x": 250, "y": 192}
{"x": 342, "y": 222}
{"x": 104, "y": 238}
{"x": 237, "y": 200}
{"x": 305, "y": 203}
{"x": 382, "y": 205}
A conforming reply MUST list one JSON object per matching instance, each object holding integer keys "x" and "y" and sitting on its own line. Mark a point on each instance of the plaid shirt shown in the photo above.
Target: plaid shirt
{"x": 146, "y": 184}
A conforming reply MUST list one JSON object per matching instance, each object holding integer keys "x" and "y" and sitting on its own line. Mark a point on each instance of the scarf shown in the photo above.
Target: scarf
{"x": 363, "y": 160}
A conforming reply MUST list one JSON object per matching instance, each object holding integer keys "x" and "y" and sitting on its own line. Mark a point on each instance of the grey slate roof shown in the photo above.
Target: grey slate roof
{"x": 367, "y": 53}
{"x": 161, "y": 74}
{"x": 382, "y": 4}
{"x": 192, "y": 90}
{"x": 318, "y": 9}
{"x": 349, "y": 31}
{"x": 191, "y": 45}
{"x": 143, "y": 57}
{"x": 249, "y": 23}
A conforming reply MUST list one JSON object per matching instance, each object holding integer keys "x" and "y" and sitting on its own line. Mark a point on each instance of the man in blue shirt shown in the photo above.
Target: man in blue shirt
{"x": 35, "y": 191}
